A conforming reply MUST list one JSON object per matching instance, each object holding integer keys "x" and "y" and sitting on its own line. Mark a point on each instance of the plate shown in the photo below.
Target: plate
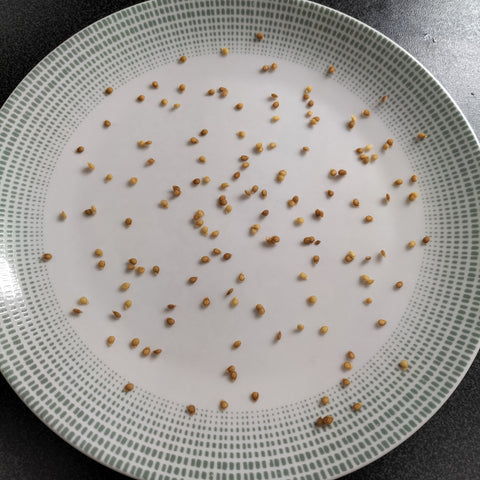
{"x": 60, "y": 363}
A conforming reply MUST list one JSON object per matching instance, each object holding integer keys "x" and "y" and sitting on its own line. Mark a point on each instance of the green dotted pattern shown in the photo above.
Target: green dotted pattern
{"x": 148, "y": 437}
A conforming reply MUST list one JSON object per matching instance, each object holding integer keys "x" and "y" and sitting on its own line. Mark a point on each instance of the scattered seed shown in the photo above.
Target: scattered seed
{"x": 181, "y": 87}
{"x": 236, "y": 343}
{"x": 241, "y": 277}
{"x": 328, "y": 420}
{"x": 146, "y": 351}
{"x": 228, "y": 209}
{"x": 260, "y": 309}
{"x": 229, "y": 291}
{"x": 413, "y": 178}
{"x": 333, "y": 172}
{"x": 342, "y": 172}
{"x": 331, "y": 69}
{"x": 176, "y": 105}
{"x": 330, "y": 193}
{"x": 215, "y": 233}
{"x": 205, "y": 259}
{"x": 310, "y": 103}
{"x": 227, "y": 256}
{"x": 357, "y": 406}
{"x": 164, "y": 102}
{"x": 128, "y": 221}
{"x": 170, "y": 321}
{"x": 125, "y": 286}
{"x": 425, "y": 240}
{"x": 234, "y": 301}
{"x": 47, "y": 256}
{"x": 303, "y": 276}
{"x": 275, "y": 118}
{"x": 352, "y": 122}
{"x": 108, "y": 90}
{"x": 140, "y": 98}
{"x": 108, "y": 177}
{"x": 202, "y": 159}
{"x": 325, "y": 400}
{"x": 272, "y": 145}
{"x": 182, "y": 59}
{"x": 272, "y": 240}
{"x": 83, "y": 301}
{"x": 127, "y": 304}
{"x": 275, "y": 104}
{"x": 397, "y": 182}
{"x": 91, "y": 166}
{"x": 279, "y": 336}
{"x": 387, "y": 197}
{"x": 374, "y": 156}
{"x": 384, "y": 98}
{"x": 171, "y": 306}
{"x": 192, "y": 280}
{"x": 369, "y": 218}
{"x": 366, "y": 279}
{"x": 225, "y": 51}
{"x": 265, "y": 213}
{"x": 223, "y": 404}
{"x": 411, "y": 243}
{"x": 101, "y": 264}
{"x": 413, "y": 196}
{"x": 403, "y": 365}
{"x": 135, "y": 342}
{"x": 176, "y": 190}
{"x": 157, "y": 351}
{"x": 77, "y": 311}
{"x": 204, "y": 229}
{"x": 133, "y": 181}
{"x": 347, "y": 366}
{"x": 381, "y": 322}
{"x": 315, "y": 259}
{"x": 299, "y": 220}
{"x": 309, "y": 114}
{"x": 368, "y": 300}
{"x": 300, "y": 327}
{"x": 223, "y": 91}
{"x": 216, "y": 251}
{"x": 399, "y": 284}
{"x": 345, "y": 382}
{"x": 128, "y": 387}
{"x": 116, "y": 314}
{"x": 191, "y": 409}
{"x": 266, "y": 68}
{"x": 144, "y": 143}
{"x": 211, "y": 92}
{"x": 323, "y": 330}
{"x": 260, "y": 36}
{"x": 193, "y": 140}
{"x": 206, "y": 180}
{"x": 421, "y": 136}
{"x": 206, "y": 302}
{"x": 308, "y": 240}
{"x": 164, "y": 204}
{"x": 196, "y": 181}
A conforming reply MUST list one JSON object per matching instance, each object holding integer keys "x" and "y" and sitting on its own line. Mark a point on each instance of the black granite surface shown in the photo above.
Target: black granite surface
{"x": 444, "y": 35}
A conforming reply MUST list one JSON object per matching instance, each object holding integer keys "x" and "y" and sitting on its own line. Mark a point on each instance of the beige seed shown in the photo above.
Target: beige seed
{"x": 374, "y": 156}
{"x": 135, "y": 342}
{"x": 90, "y": 166}
{"x": 181, "y": 87}
{"x": 272, "y": 145}
{"x": 225, "y": 51}
{"x": 234, "y": 302}
{"x": 127, "y": 304}
{"x": 299, "y": 220}
{"x": 205, "y": 259}
{"x": 381, "y": 322}
{"x": 101, "y": 264}
{"x": 357, "y": 406}
{"x": 108, "y": 177}
{"x": 399, "y": 181}
{"x": 303, "y": 276}
{"x": 176, "y": 105}
{"x": 164, "y": 204}
{"x": 368, "y": 300}
{"x": 228, "y": 209}
{"x": 176, "y": 190}
{"x": 182, "y": 59}
{"x": 266, "y": 68}
{"x": 83, "y": 301}
{"x": 128, "y": 387}
{"x": 116, "y": 314}
{"x": 215, "y": 233}
{"x": 206, "y": 179}
{"x": 323, "y": 330}
{"x": 312, "y": 300}
{"x": 421, "y": 136}
{"x": 347, "y": 366}
{"x": 125, "y": 286}
{"x": 331, "y": 69}
{"x": 325, "y": 400}
{"x": 366, "y": 113}
{"x": 236, "y": 343}
{"x": 309, "y": 113}
{"x": 275, "y": 118}
{"x": 156, "y": 269}
{"x": 146, "y": 351}
{"x": 223, "y": 404}
{"x": 368, "y": 147}
{"x": 133, "y": 181}
{"x": 206, "y": 302}
{"x": 411, "y": 243}
{"x": 204, "y": 230}
{"x": 369, "y": 218}
{"x": 111, "y": 340}
{"x": 300, "y": 327}
{"x": 413, "y": 196}
{"x": 403, "y": 364}
{"x": 333, "y": 172}
{"x": 241, "y": 277}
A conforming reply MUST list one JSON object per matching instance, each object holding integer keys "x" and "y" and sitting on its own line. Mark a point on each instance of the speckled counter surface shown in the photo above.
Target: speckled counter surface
{"x": 444, "y": 35}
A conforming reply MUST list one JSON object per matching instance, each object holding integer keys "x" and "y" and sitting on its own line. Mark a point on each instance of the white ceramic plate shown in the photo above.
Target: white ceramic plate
{"x": 61, "y": 365}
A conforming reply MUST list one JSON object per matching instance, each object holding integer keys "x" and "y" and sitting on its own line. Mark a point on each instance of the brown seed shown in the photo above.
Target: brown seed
{"x": 206, "y": 302}
{"x": 300, "y": 327}
{"x": 236, "y": 343}
{"x": 364, "y": 158}
{"x": 130, "y": 267}
{"x": 211, "y": 92}
{"x": 384, "y": 98}
{"x": 127, "y": 304}
{"x": 399, "y": 284}
{"x": 425, "y": 240}
{"x": 260, "y": 36}
{"x": 233, "y": 376}
{"x": 381, "y": 322}
{"x": 356, "y": 202}
{"x": 254, "y": 396}
{"x": 202, "y": 159}
{"x": 368, "y": 300}
{"x": 83, "y": 301}
{"x": 196, "y": 181}
{"x": 182, "y": 59}
{"x": 330, "y": 193}
{"x": 176, "y": 190}
{"x": 245, "y": 165}
{"x": 328, "y": 420}
{"x": 164, "y": 102}
{"x": 150, "y": 161}
{"x": 357, "y": 406}
{"x": 342, "y": 172}
{"x": 308, "y": 240}
{"x": 176, "y": 105}
{"x": 47, "y": 256}
{"x": 421, "y": 136}
{"x": 101, "y": 264}
{"x": 274, "y": 66}
{"x": 310, "y": 103}
{"x": 191, "y": 409}
{"x": 331, "y": 69}
{"x": 387, "y": 197}
{"x": 133, "y": 181}
{"x": 397, "y": 182}
{"x": 171, "y": 306}
{"x": 266, "y": 68}
{"x": 350, "y": 354}
{"x": 194, "y": 140}
{"x": 279, "y": 335}
{"x": 227, "y": 256}
{"x": 345, "y": 382}
{"x": 203, "y": 132}
{"x": 333, "y": 172}
{"x": 192, "y": 280}
{"x": 128, "y": 387}
{"x": 319, "y": 422}
{"x": 155, "y": 84}
{"x": 225, "y": 51}
{"x": 108, "y": 90}
{"x": 325, "y": 400}
{"x": 128, "y": 221}
{"x": 107, "y": 123}
{"x": 413, "y": 178}
{"x": 157, "y": 351}
{"x": 223, "y": 404}
{"x": 275, "y": 104}
{"x": 413, "y": 196}
{"x": 323, "y": 330}
{"x": 224, "y": 186}
{"x": 374, "y": 156}
{"x": 265, "y": 213}
{"x": 164, "y": 204}
{"x": 140, "y": 98}
{"x": 170, "y": 321}
{"x": 312, "y": 300}
{"x": 315, "y": 259}
{"x": 260, "y": 309}
{"x": 216, "y": 251}
{"x": 347, "y": 366}
{"x": 403, "y": 365}
{"x": 229, "y": 291}
{"x": 90, "y": 166}
{"x": 116, "y": 314}
{"x": 303, "y": 276}
{"x": 223, "y": 91}
{"x": 146, "y": 351}
{"x": 215, "y": 233}
{"x": 181, "y": 87}
{"x": 205, "y": 259}
{"x": 359, "y": 150}
{"x": 228, "y": 209}
{"x": 299, "y": 220}
{"x": 135, "y": 342}
{"x": 369, "y": 218}
{"x": 77, "y": 311}
{"x": 125, "y": 286}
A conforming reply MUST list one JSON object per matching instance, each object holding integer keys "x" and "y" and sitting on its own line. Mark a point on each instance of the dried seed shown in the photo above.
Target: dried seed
{"x": 204, "y": 230}
{"x": 157, "y": 351}
{"x": 192, "y": 280}
{"x": 133, "y": 181}
{"x": 228, "y": 209}
{"x": 83, "y": 301}
{"x": 413, "y": 178}
{"x": 305, "y": 149}
{"x": 223, "y": 91}
{"x": 150, "y": 161}
{"x": 364, "y": 158}
{"x": 170, "y": 321}
{"x": 108, "y": 177}
{"x": 191, "y": 409}
{"x": 312, "y": 300}
{"x": 425, "y": 240}
{"x": 140, "y": 98}
{"x": 101, "y": 264}
{"x": 299, "y": 220}
{"x": 309, "y": 114}
{"x": 125, "y": 286}
{"x": 331, "y": 69}
{"x": 411, "y": 243}
{"x": 264, "y": 193}
{"x": 225, "y": 51}
{"x": 357, "y": 406}
{"x": 260, "y": 309}
{"x": 229, "y": 291}
{"x": 135, "y": 342}
{"x": 241, "y": 277}
{"x": 236, "y": 343}
{"x": 206, "y": 180}
{"x": 241, "y": 134}
{"x": 328, "y": 420}
{"x": 399, "y": 284}
{"x": 315, "y": 259}
{"x": 227, "y": 256}
{"x": 319, "y": 213}
{"x": 91, "y": 166}
{"x": 164, "y": 204}
{"x": 77, "y": 311}
{"x": 130, "y": 267}
{"x": 279, "y": 336}
{"x": 272, "y": 145}
{"x": 216, "y": 251}
{"x": 387, "y": 197}
{"x": 211, "y": 92}
{"x": 196, "y": 181}
{"x": 399, "y": 181}
{"x": 330, "y": 193}
{"x": 308, "y": 240}
{"x": 325, "y": 400}
{"x": 144, "y": 143}
{"x": 224, "y": 186}
{"x": 369, "y": 218}
{"x": 215, "y": 233}
{"x": 205, "y": 259}
{"x": 154, "y": 84}
{"x": 234, "y": 301}
{"x": 413, "y": 196}
{"x": 347, "y": 366}
{"x": 350, "y": 354}
{"x": 63, "y": 215}
{"x": 266, "y": 68}
{"x": 127, "y": 304}
{"x": 403, "y": 365}
{"x": 116, "y": 314}
{"x": 182, "y": 59}
{"x": 128, "y": 221}
{"x": 223, "y": 404}
{"x": 381, "y": 322}
{"x": 260, "y": 36}
{"x": 275, "y": 104}
{"x": 333, "y": 172}
{"x": 47, "y": 256}
{"x": 421, "y": 136}
{"x": 128, "y": 387}
{"x": 368, "y": 300}
{"x": 202, "y": 159}
{"x": 203, "y": 132}
{"x": 164, "y": 102}
{"x": 323, "y": 330}
{"x": 374, "y": 156}
{"x": 275, "y": 118}
{"x": 176, "y": 190}
{"x": 206, "y": 302}
{"x": 146, "y": 351}
{"x": 108, "y": 90}
{"x": 193, "y": 140}
{"x": 356, "y": 202}
{"x": 176, "y": 105}
{"x": 171, "y": 306}
{"x": 265, "y": 213}
{"x": 342, "y": 172}
{"x": 300, "y": 327}
{"x": 384, "y": 98}
{"x": 181, "y": 87}
{"x": 107, "y": 123}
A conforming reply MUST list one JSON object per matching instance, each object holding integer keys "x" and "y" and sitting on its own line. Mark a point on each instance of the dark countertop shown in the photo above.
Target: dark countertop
{"x": 444, "y": 35}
